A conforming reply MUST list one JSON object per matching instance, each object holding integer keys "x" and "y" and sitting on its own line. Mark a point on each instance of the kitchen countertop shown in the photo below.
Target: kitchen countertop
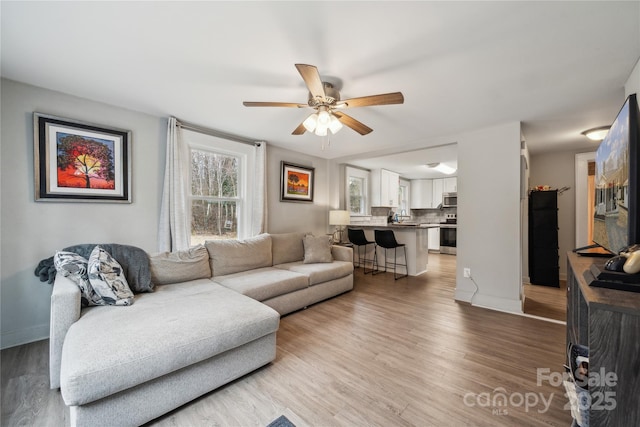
{"x": 399, "y": 226}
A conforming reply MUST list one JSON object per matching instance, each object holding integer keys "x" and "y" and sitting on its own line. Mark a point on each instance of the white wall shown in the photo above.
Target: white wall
{"x": 30, "y": 231}
{"x": 633, "y": 82}
{"x": 489, "y": 229}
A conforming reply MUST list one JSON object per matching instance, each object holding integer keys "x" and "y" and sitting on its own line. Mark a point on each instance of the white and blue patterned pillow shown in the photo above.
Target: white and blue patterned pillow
{"x": 107, "y": 278}
{"x": 74, "y": 266}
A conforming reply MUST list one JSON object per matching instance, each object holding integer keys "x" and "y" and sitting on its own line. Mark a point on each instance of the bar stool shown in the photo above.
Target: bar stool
{"x": 357, "y": 237}
{"x": 387, "y": 239}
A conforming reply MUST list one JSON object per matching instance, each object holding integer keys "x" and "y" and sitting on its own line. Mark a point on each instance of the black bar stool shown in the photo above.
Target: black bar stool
{"x": 357, "y": 237}
{"x": 387, "y": 239}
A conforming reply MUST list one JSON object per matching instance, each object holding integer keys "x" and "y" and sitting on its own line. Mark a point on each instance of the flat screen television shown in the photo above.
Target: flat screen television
{"x": 617, "y": 182}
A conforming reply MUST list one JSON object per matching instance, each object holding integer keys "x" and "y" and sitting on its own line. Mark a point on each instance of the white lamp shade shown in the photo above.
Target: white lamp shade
{"x": 339, "y": 218}
{"x": 310, "y": 122}
{"x": 324, "y": 118}
{"x": 321, "y": 130}
{"x": 334, "y": 125}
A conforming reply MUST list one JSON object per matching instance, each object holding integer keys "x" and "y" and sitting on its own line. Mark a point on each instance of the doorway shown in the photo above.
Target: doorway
{"x": 585, "y": 184}
{"x": 551, "y": 302}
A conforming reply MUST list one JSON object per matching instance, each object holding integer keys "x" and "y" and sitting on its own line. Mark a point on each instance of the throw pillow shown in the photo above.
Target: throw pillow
{"x": 181, "y": 266}
{"x": 107, "y": 278}
{"x": 74, "y": 266}
{"x": 317, "y": 249}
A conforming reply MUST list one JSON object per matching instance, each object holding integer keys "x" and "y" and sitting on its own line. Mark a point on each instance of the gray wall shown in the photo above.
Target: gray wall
{"x": 296, "y": 216}
{"x": 31, "y": 231}
{"x": 558, "y": 170}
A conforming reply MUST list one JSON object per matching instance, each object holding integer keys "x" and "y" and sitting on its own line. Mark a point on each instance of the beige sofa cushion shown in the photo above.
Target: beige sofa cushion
{"x": 320, "y": 272}
{"x": 233, "y": 256}
{"x": 181, "y": 266}
{"x": 264, "y": 283}
{"x": 287, "y": 247}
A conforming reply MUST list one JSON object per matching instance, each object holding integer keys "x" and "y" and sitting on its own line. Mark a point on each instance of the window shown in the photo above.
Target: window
{"x": 214, "y": 196}
{"x": 220, "y": 197}
{"x": 357, "y": 191}
{"x": 403, "y": 197}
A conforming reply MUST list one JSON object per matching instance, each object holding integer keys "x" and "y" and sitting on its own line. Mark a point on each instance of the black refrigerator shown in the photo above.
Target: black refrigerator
{"x": 544, "y": 268}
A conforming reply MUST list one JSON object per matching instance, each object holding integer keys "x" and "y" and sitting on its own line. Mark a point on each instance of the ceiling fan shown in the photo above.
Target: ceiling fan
{"x": 325, "y": 99}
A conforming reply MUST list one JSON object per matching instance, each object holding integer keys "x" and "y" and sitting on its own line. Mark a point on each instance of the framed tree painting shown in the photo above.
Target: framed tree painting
{"x": 76, "y": 161}
{"x": 296, "y": 183}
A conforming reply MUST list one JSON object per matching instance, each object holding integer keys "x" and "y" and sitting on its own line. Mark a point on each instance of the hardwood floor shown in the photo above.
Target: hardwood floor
{"x": 546, "y": 301}
{"x": 400, "y": 353}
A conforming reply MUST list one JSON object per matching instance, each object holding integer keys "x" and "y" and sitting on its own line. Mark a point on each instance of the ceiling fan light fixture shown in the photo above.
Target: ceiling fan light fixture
{"x": 596, "y": 134}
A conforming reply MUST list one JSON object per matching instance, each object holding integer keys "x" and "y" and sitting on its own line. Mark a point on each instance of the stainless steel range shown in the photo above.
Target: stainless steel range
{"x": 448, "y": 234}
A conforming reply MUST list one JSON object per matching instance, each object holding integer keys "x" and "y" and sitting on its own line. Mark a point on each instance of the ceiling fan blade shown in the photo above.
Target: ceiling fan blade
{"x": 359, "y": 127}
{"x": 365, "y": 101}
{"x": 274, "y": 104}
{"x": 299, "y": 130}
{"x": 311, "y": 77}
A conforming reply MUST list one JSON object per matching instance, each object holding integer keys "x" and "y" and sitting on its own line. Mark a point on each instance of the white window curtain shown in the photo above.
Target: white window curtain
{"x": 259, "y": 179}
{"x": 175, "y": 217}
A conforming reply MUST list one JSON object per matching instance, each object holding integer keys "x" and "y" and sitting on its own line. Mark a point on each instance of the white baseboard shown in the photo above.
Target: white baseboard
{"x": 490, "y": 302}
{"x": 24, "y": 336}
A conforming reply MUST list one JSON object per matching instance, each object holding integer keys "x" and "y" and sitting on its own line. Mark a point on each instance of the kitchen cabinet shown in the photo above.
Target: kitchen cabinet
{"x": 438, "y": 189}
{"x": 451, "y": 185}
{"x": 443, "y": 185}
{"x": 385, "y": 187}
{"x": 434, "y": 239}
{"x": 421, "y": 193}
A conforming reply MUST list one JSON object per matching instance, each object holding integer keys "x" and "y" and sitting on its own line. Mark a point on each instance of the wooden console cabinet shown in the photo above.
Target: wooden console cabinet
{"x": 608, "y": 322}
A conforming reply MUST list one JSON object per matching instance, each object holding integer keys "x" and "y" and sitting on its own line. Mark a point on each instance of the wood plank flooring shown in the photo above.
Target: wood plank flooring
{"x": 546, "y": 301}
{"x": 399, "y": 353}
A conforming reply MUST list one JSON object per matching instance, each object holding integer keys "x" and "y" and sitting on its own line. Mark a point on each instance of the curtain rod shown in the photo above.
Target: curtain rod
{"x": 216, "y": 133}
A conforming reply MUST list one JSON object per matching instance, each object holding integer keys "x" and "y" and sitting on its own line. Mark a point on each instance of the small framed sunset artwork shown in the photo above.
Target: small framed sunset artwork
{"x": 296, "y": 183}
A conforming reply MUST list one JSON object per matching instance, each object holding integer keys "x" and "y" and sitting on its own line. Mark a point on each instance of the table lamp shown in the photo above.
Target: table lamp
{"x": 339, "y": 219}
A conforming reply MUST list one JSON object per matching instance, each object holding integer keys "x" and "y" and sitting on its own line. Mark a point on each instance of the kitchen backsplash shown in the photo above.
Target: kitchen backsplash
{"x": 430, "y": 216}
{"x": 419, "y": 216}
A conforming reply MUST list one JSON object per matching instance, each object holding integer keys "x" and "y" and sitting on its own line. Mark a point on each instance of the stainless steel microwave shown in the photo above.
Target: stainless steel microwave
{"x": 449, "y": 200}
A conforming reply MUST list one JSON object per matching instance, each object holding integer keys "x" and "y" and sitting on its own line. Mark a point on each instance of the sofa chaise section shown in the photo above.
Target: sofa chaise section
{"x": 166, "y": 349}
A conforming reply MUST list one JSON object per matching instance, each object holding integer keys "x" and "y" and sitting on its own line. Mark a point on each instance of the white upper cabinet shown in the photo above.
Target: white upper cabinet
{"x": 451, "y": 185}
{"x": 443, "y": 185}
{"x": 385, "y": 187}
{"x": 421, "y": 193}
{"x": 438, "y": 189}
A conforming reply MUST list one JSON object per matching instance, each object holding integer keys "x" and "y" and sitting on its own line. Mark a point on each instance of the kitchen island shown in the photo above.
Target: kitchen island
{"x": 415, "y": 239}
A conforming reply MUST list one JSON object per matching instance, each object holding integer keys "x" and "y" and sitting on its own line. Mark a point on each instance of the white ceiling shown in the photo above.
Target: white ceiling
{"x": 558, "y": 67}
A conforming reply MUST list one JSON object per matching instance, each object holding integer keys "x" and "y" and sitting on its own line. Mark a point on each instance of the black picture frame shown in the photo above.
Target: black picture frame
{"x": 76, "y": 161}
{"x": 296, "y": 182}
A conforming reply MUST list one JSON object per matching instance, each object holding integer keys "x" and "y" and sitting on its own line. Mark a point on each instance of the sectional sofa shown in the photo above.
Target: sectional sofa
{"x": 212, "y": 317}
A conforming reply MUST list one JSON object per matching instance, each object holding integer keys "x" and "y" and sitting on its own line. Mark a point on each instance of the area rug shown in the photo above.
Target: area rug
{"x": 281, "y": 421}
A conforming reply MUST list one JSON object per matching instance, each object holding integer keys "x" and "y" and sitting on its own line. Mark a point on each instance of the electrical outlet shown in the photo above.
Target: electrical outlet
{"x": 467, "y": 272}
